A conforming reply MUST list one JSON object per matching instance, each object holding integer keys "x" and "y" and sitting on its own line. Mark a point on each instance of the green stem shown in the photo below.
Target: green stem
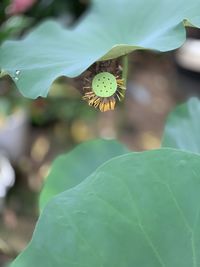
{"x": 125, "y": 69}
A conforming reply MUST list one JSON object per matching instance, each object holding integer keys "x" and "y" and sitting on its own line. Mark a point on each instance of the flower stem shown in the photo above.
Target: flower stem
{"x": 125, "y": 69}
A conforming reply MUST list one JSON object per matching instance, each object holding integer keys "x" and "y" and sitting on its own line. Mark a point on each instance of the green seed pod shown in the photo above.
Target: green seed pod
{"x": 104, "y": 84}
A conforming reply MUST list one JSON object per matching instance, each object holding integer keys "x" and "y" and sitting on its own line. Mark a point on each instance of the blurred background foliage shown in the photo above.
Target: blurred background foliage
{"x": 34, "y": 132}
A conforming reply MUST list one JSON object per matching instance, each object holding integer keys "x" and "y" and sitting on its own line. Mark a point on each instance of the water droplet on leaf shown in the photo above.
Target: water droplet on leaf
{"x": 17, "y": 73}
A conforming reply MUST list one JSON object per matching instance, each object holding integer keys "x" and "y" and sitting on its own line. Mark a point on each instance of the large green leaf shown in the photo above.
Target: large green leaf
{"x": 71, "y": 169}
{"x": 182, "y": 129}
{"x": 110, "y": 29}
{"x": 137, "y": 210}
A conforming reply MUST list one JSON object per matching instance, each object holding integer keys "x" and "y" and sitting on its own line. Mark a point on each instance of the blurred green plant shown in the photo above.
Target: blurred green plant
{"x": 5, "y": 107}
{"x": 13, "y": 23}
{"x": 13, "y": 27}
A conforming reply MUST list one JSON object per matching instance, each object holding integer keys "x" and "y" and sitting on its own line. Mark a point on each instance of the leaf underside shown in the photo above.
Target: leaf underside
{"x": 109, "y": 29}
{"x": 139, "y": 209}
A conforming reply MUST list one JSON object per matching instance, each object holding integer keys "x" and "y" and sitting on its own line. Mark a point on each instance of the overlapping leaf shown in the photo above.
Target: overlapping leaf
{"x": 139, "y": 209}
{"x": 110, "y": 29}
{"x": 182, "y": 128}
{"x": 71, "y": 169}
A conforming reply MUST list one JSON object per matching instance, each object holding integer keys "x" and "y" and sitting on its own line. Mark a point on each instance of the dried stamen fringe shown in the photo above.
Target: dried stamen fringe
{"x": 105, "y": 103}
